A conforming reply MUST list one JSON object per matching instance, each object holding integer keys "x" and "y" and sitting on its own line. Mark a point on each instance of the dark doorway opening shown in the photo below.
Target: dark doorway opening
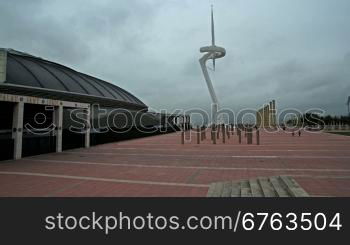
{"x": 38, "y": 130}
{"x": 6, "y": 141}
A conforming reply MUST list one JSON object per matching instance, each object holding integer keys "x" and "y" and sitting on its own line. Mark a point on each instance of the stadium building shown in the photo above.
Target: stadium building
{"x": 48, "y": 107}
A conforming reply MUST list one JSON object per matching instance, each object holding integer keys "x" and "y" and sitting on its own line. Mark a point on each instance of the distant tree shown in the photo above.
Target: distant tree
{"x": 314, "y": 119}
{"x": 328, "y": 120}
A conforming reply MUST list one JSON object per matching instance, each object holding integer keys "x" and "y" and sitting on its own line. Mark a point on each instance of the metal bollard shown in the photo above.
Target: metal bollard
{"x": 239, "y": 132}
{"x": 218, "y": 131}
{"x": 182, "y": 137}
{"x": 214, "y": 135}
{"x": 228, "y": 131}
{"x": 258, "y": 137}
{"x": 201, "y": 133}
{"x": 249, "y": 136}
{"x": 198, "y": 135}
{"x": 223, "y": 133}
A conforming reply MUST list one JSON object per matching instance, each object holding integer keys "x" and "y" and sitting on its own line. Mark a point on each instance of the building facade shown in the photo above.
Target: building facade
{"x": 48, "y": 107}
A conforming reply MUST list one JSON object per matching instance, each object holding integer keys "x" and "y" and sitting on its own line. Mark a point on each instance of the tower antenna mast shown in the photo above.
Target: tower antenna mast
{"x": 211, "y": 52}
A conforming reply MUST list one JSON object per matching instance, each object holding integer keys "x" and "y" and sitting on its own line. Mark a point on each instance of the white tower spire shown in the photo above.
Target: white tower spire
{"x": 212, "y": 32}
{"x": 211, "y": 52}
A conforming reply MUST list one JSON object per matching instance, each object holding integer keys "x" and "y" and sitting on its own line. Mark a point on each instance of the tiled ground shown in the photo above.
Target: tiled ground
{"x": 161, "y": 166}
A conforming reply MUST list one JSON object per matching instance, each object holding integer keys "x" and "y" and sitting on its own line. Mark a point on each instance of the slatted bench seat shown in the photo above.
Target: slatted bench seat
{"x": 277, "y": 186}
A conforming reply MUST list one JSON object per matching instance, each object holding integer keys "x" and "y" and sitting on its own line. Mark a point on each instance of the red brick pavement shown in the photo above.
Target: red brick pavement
{"x": 161, "y": 166}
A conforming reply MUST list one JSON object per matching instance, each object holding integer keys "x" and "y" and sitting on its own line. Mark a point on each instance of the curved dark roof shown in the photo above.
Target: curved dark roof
{"x": 30, "y": 71}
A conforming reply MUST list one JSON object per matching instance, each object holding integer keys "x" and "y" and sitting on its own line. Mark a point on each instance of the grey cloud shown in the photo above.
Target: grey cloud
{"x": 294, "y": 51}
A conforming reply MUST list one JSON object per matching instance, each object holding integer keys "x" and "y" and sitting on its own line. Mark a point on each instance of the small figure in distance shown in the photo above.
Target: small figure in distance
{"x": 299, "y": 133}
{"x": 293, "y": 133}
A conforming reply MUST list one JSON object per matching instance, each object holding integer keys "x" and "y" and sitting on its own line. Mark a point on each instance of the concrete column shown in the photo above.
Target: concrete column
{"x": 3, "y": 65}
{"x": 17, "y": 129}
{"x": 58, "y": 120}
{"x": 270, "y": 114}
{"x": 88, "y": 127}
{"x": 266, "y": 116}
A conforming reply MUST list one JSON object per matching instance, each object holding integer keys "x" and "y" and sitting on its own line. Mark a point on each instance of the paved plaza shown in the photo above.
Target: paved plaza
{"x": 162, "y": 166}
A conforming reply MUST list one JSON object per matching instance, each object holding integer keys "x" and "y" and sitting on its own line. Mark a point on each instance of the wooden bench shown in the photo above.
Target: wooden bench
{"x": 277, "y": 186}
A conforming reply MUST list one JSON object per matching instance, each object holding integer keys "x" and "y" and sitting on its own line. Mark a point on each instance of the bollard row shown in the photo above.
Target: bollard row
{"x": 225, "y": 131}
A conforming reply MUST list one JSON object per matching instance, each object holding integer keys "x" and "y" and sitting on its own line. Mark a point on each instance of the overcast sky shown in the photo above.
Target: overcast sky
{"x": 294, "y": 51}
